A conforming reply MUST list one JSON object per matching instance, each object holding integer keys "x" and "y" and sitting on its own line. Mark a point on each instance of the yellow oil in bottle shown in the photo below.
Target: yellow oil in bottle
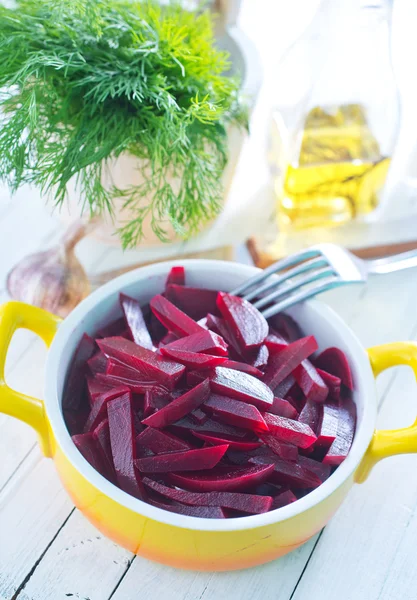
{"x": 339, "y": 172}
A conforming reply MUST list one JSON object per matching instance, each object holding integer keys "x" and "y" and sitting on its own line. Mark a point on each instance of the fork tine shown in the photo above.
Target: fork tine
{"x": 303, "y": 268}
{"x": 301, "y": 282}
{"x": 278, "y": 266}
{"x": 326, "y": 284}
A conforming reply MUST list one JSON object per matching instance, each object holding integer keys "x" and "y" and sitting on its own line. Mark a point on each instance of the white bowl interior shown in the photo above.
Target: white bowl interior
{"x": 103, "y": 306}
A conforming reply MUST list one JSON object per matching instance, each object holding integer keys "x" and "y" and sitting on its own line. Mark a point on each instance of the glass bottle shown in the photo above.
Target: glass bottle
{"x": 335, "y": 118}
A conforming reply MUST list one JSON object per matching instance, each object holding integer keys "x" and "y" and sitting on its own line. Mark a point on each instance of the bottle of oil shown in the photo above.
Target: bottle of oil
{"x": 335, "y": 118}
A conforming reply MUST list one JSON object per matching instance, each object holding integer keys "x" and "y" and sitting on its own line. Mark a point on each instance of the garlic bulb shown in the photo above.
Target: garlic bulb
{"x": 54, "y": 279}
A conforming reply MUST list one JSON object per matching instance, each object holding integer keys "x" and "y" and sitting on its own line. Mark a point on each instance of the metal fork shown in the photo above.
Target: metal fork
{"x": 313, "y": 271}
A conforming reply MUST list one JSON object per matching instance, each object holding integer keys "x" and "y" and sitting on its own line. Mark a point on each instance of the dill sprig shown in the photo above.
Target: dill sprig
{"x": 84, "y": 81}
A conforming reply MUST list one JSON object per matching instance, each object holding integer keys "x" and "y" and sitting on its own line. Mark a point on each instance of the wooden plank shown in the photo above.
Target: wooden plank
{"x": 79, "y": 563}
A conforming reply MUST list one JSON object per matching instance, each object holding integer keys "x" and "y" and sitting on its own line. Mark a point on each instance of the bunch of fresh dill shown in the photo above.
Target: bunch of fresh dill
{"x": 84, "y": 81}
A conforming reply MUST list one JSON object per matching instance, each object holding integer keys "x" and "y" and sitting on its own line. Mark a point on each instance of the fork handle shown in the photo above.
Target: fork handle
{"x": 396, "y": 262}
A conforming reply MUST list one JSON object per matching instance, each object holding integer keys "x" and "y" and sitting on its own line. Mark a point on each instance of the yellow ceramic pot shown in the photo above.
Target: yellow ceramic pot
{"x": 177, "y": 540}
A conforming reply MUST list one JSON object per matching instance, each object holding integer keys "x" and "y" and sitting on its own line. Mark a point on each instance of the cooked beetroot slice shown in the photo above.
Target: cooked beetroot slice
{"x": 334, "y": 361}
{"x": 205, "y": 341}
{"x": 75, "y": 420}
{"x": 311, "y": 414}
{"x": 241, "y": 386}
{"x": 154, "y": 400}
{"x": 244, "y": 367}
{"x": 288, "y": 430}
{"x": 261, "y": 357}
{"x": 189, "y": 460}
{"x": 99, "y": 409}
{"x": 115, "y": 368}
{"x": 275, "y": 342}
{"x": 327, "y": 431}
{"x": 135, "y": 321}
{"x": 180, "y": 407}
{"x": 223, "y": 479}
{"x": 248, "y": 503}
{"x": 151, "y": 365}
{"x": 205, "y": 512}
{"x": 167, "y": 339}
{"x": 284, "y": 362}
{"x": 310, "y": 382}
{"x": 123, "y": 445}
{"x": 220, "y": 438}
{"x": 173, "y": 318}
{"x": 332, "y": 382}
{"x": 160, "y": 442}
{"x": 340, "y": 447}
{"x": 199, "y": 416}
{"x": 75, "y": 389}
{"x": 97, "y": 363}
{"x": 95, "y": 388}
{"x": 283, "y": 408}
{"x": 219, "y": 325}
{"x": 187, "y": 424}
{"x": 318, "y": 468}
{"x": 102, "y": 436}
{"x": 193, "y": 360}
{"x": 92, "y": 452}
{"x": 290, "y": 473}
{"x": 285, "y": 386}
{"x": 176, "y": 275}
{"x": 283, "y": 499}
{"x": 286, "y": 325}
{"x": 236, "y": 413}
{"x": 247, "y": 324}
{"x": 195, "y": 302}
{"x": 136, "y": 387}
{"x": 112, "y": 329}
{"x": 282, "y": 449}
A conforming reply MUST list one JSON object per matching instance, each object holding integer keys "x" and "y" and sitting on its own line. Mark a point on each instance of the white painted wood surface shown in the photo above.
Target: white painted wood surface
{"x": 48, "y": 551}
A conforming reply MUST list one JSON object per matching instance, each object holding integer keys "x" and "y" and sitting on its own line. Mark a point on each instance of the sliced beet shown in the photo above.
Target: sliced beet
{"x": 283, "y": 499}
{"x": 205, "y": 341}
{"x": 148, "y": 363}
{"x": 332, "y": 382}
{"x": 283, "y": 388}
{"x": 156, "y": 329}
{"x": 173, "y": 318}
{"x": 176, "y": 276}
{"x": 135, "y": 386}
{"x": 261, "y": 357}
{"x": 340, "y": 447}
{"x": 290, "y": 473}
{"x": 236, "y": 413}
{"x": 241, "y": 458}
{"x": 282, "y": 363}
{"x": 283, "y": 408}
{"x": 247, "y": 503}
{"x": 99, "y": 409}
{"x": 195, "y": 302}
{"x": 288, "y": 430}
{"x": 87, "y": 444}
{"x": 286, "y": 325}
{"x": 75, "y": 420}
{"x": 189, "y": 460}
{"x": 160, "y": 442}
{"x": 199, "y": 416}
{"x": 237, "y": 443}
{"x": 115, "y": 368}
{"x": 223, "y": 479}
{"x": 282, "y": 449}
{"x": 310, "y": 382}
{"x": 334, "y": 361}
{"x": 75, "y": 388}
{"x": 244, "y": 367}
{"x": 204, "y": 512}
{"x": 193, "y": 360}
{"x": 135, "y": 321}
{"x": 95, "y": 388}
{"x": 241, "y": 386}
{"x": 97, "y": 363}
{"x": 154, "y": 400}
{"x": 247, "y": 324}
{"x": 185, "y": 425}
{"x": 318, "y": 468}
{"x": 311, "y": 414}
{"x": 112, "y": 329}
{"x": 180, "y": 407}
{"x": 327, "y": 431}
{"x": 275, "y": 342}
{"x": 219, "y": 325}
{"x": 102, "y": 436}
{"x": 123, "y": 445}
{"x": 167, "y": 339}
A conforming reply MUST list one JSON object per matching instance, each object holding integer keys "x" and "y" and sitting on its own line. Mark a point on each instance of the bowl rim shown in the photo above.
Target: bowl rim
{"x": 62, "y": 437}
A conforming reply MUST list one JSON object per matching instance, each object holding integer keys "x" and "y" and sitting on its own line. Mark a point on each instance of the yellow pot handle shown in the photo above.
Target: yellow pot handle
{"x": 17, "y": 315}
{"x": 395, "y": 441}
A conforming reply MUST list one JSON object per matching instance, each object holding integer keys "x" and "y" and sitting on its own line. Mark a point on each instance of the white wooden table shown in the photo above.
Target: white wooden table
{"x": 48, "y": 550}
